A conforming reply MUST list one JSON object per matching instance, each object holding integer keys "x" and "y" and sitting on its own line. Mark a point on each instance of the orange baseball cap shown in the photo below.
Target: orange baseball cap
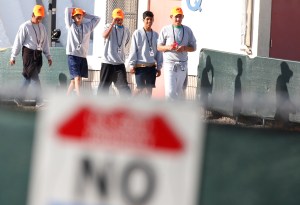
{"x": 77, "y": 11}
{"x": 176, "y": 10}
{"x": 118, "y": 13}
{"x": 38, "y": 10}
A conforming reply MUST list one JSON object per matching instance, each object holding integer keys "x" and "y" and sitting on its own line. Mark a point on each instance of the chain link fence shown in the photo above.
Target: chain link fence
{"x": 130, "y": 8}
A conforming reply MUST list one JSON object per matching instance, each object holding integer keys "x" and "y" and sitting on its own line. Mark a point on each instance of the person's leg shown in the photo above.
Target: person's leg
{"x": 71, "y": 87}
{"x": 22, "y": 92}
{"x": 140, "y": 81}
{"x": 77, "y": 83}
{"x": 138, "y": 91}
{"x": 150, "y": 79}
{"x": 83, "y": 70}
{"x": 170, "y": 82}
{"x": 120, "y": 80}
{"x": 75, "y": 64}
{"x": 106, "y": 76}
{"x": 36, "y": 85}
{"x": 148, "y": 92}
{"x": 27, "y": 57}
{"x": 24, "y": 87}
{"x": 184, "y": 87}
{"x": 181, "y": 77}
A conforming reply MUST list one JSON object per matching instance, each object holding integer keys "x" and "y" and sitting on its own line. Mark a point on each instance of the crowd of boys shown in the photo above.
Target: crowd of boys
{"x": 149, "y": 52}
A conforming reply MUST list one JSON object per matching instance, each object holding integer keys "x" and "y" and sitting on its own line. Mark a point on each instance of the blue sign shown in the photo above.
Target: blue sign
{"x": 197, "y": 5}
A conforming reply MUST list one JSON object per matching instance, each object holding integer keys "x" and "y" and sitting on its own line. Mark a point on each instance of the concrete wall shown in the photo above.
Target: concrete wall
{"x": 235, "y": 84}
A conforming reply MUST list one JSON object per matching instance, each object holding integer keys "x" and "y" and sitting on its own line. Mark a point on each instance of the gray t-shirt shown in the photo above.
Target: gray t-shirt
{"x": 183, "y": 36}
{"x": 140, "y": 52}
{"x": 79, "y": 36}
{"x": 32, "y": 36}
{"x": 114, "y": 45}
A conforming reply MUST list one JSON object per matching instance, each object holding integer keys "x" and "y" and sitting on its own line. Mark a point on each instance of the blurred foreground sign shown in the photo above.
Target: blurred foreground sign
{"x": 116, "y": 152}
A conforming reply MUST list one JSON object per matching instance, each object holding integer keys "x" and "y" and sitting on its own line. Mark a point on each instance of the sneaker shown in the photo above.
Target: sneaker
{"x": 18, "y": 102}
{"x": 39, "y": 105}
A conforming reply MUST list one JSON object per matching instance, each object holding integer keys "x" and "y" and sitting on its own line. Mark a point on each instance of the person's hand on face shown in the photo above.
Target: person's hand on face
{"x": 118, "y": 21}
{"x": 78, "y": 18}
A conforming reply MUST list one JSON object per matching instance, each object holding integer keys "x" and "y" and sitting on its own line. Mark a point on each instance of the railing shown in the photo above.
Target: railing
{"x": 91, "y": 83}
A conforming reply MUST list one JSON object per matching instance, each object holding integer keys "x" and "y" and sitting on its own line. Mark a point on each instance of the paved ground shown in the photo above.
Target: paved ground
{"x": 252, "y": 122}
{"x": 207, "y": 116}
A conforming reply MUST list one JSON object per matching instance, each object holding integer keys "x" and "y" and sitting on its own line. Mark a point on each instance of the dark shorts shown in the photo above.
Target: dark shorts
{"x": 145, "y": 77}
{"x": 77, "y": 66}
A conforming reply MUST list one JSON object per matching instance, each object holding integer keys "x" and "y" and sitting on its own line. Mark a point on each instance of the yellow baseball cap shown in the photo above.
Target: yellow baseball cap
{"x": 176, "y": 10}
{"x": 77, "y": 11}
{"x": 118, "y": 13}
{"x": 38, "y": 10}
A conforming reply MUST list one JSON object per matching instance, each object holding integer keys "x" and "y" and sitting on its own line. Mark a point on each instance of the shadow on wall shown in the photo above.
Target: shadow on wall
{"x": 206, "y": 84}
{"x": 237, "y": 102}
{"x": 235, "y": 85}
{"x": 284, "y": 105}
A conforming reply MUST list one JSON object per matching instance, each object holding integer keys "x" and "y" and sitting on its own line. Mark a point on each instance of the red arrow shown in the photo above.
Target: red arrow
{"x": 121, "y": 127}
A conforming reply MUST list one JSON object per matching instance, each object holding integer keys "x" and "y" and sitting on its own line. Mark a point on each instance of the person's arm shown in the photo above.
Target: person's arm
{"x": 133, "y": 52}
{"x": 159, "y": 60}
{"x": 68, "y": 17}
{"x": 185, "y": 49}
{"x": 18, "y": 43}
{"x": 164, "y": 48}
{"x": 108, "y": 30}
{"x": 161, "y": 43}
{"x": 94, "y": 20}
{"x": 128, "y": 36}
{"x": 46, "y": 49}
{"x": 192, "y": 45}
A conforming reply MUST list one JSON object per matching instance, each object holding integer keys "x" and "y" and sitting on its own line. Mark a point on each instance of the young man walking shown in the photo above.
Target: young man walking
{"x": 144, "y": 59}
{"x": 32, "y": 39}
{"x": 175, "y": 41}
{"x": 78, "y": 44}
{"x": 116, "y": 37}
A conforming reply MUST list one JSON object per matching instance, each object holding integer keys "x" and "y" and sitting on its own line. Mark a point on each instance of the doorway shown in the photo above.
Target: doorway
{"x": 285, "y": 32}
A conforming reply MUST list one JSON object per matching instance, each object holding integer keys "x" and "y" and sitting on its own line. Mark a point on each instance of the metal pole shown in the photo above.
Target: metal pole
{"x": 53, "y": 21}
{"x": 49, "y": 20}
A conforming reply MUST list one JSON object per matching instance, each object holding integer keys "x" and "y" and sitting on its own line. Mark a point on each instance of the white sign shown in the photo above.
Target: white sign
{"x": 116, "y": 152}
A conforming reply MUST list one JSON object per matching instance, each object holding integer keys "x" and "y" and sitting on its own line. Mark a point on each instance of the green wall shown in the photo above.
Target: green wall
{"x": 16, "y": 137}
{"x": 11, "y": 76}
{"x": 235, "y": 84}
{"x": 241, "y": 165}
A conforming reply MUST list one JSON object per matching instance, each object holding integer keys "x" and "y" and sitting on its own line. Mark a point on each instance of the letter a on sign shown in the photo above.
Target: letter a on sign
{"x": 117, "y": 152}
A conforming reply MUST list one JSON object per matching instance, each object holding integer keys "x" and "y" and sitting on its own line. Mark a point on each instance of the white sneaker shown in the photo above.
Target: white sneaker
{"x": 39, "y": 105}
{"x": 18, "y": 102}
